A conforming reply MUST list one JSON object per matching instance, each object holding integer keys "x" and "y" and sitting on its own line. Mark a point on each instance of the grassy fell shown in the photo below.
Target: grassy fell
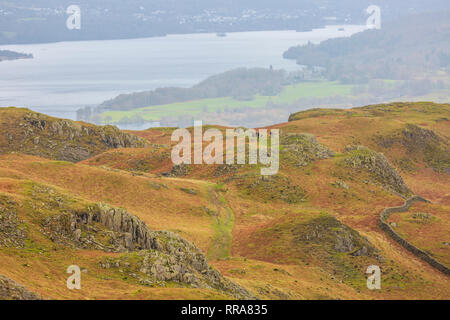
{"x": 297, "y": 235}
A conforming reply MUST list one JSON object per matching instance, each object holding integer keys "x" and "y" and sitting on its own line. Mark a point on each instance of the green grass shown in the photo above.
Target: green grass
{"x": 289, "y": 94}
{"x": 313, "y": 89}
{"x": 223, "y": 223}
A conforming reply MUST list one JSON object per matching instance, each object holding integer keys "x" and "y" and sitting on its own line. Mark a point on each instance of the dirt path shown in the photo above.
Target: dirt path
{"x": 224, "y": 219}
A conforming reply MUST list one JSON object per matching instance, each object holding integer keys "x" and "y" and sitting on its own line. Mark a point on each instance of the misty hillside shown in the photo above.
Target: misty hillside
{"x": 29, "y": 21}
{"x": 223, "y": 154}
{"x": 241, "y": 84}
{"x": 402, "y": 49}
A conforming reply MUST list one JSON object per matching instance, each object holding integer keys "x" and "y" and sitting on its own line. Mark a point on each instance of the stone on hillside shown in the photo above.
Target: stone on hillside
{"x": 61, "y": 139}
{"x": 334, "y": 236}
{"x": 276, "y": 187}
{"x": 12, "y": 233}
{"x": 421, "y": 143}
{"x": 10, "y": 290}
{"x": 161, "y": 256}
{"x": 303, "y": 149}
{"x": 360, "y": 157}
{"x": 180, "y": 170}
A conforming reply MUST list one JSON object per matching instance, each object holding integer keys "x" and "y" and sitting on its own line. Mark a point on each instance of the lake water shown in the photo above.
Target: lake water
{"x": 65, "y": 76}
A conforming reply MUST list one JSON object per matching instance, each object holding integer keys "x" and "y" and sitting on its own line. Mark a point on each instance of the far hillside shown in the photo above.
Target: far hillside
{"x": 255, "y": 98}
{"x": 404, "y": 61}
{"x": 12, "y": 55}
{"x": 414, "y": 47}
{"x": 241, "y": 84}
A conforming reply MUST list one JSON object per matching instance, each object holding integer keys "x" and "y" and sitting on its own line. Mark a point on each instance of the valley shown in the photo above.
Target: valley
{"x": 224, "y": 231}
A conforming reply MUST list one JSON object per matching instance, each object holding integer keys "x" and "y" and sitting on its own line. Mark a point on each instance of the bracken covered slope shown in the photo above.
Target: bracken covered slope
{"x": 308, "y": 232}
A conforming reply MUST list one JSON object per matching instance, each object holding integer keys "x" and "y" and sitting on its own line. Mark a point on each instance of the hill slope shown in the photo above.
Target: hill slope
{"x": 389, "y": 51}
{"x": 33, "y": 133}
{"x": 309, "y": 232}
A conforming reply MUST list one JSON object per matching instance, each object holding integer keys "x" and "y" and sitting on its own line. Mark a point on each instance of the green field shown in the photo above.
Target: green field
{"x": 289, "y": 94}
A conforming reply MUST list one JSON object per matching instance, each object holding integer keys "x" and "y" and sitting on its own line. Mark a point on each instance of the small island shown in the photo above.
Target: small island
{"x": 11, "y": 55}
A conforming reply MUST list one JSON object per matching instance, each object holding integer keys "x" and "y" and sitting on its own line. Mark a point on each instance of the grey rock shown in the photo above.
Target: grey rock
{"x": 10, "y": 290}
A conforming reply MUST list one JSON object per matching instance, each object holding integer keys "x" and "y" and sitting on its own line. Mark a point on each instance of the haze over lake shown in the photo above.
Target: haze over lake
{"x": 65, "y": 76}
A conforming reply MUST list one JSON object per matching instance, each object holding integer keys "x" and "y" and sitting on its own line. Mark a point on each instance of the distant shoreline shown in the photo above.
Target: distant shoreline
{"x": 164, "y": 35}
{"x": 7, "y": 55}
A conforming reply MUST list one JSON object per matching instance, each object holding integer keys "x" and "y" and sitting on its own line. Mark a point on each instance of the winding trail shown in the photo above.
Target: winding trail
{"x": 224, "y": 219}
{"x": 387, "y": 212}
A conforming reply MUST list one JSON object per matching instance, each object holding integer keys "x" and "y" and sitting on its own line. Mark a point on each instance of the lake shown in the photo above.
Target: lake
{"x": 67, "y": 75}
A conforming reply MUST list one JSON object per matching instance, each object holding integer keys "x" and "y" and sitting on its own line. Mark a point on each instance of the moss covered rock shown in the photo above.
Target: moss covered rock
{"x": 378, "y": 166}
{"x": 303, "y": 149}
{"x": 37, "y": 134}
{"x": 10, "y": 290}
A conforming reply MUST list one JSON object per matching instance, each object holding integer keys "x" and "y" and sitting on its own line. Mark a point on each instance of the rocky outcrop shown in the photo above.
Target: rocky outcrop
{"x": 179, "y": 170}
{"x": 10, "y": 290}
{"x": 37, "y": 134}
{"x": 360, "y": 157}
{"x": 276, "y": 187}
{"x": 226, "y": 169}
{"x": 176, "y": 261}
{"x": 151, "y": 257}
{"x": 334, "y": 236}
{"x": 303, "y": 149}
{"x": 420, "y": 143}
{"x": 327, "y": 243}
{"x": 12, "y": 233}
{"x": 384, "y": 216}
{"x": 118, "y": 230}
